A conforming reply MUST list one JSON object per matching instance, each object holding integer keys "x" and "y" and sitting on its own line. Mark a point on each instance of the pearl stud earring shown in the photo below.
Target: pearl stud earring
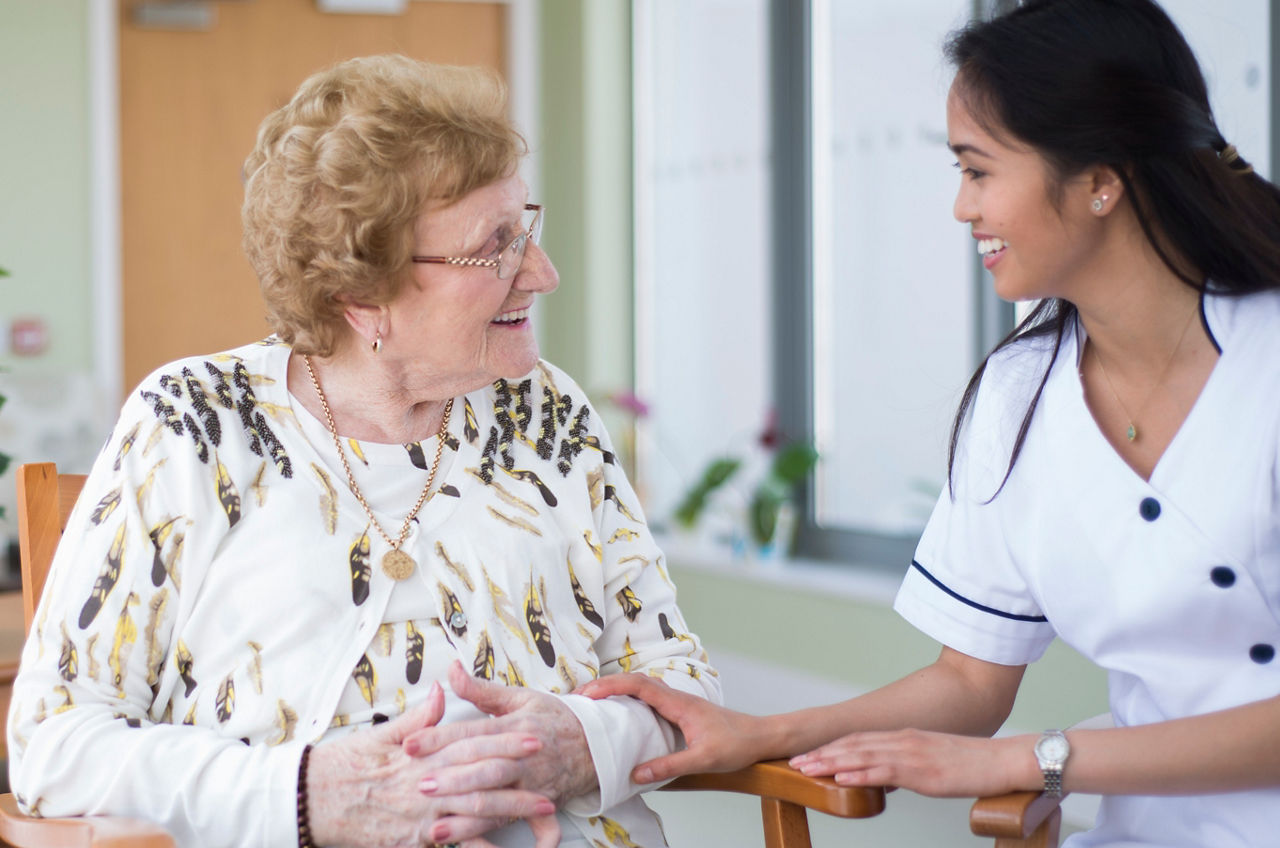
{"x": 1097, "y": 204}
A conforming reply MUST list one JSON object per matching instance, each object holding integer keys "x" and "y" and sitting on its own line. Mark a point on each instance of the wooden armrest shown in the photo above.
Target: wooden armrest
{"x": 776, "y": 779}
{"x": 85, "y": 832}
{"x": 1013, "y": 816}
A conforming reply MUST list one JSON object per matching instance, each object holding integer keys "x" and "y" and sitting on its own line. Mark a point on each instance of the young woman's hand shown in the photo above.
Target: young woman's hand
{"x": 937, "y": 764}
{"x": 717, "y": 739}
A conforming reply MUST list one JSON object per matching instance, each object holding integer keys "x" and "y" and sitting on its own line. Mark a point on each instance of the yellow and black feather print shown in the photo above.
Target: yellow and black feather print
{"x": 629, "y": 602}
{"x": 224, "y": 703}
{"x": 190, "y": 718}
{"x": 622, "y": 534}
{"x": 512, "y": 676}
{"x": 221, "y": 390}
{"x": 548, "y": 497}
{"x": 573, "y": 442}
{"x": 537, "y": 624}
{"x": 595, "y": 486}
{"x": 596, "y": 550}
{"x": 585, "y": 606}
{"x": 453, "y": 614}
{"x": 126, "y": 444}
{"x": 105, "y": 507}
{"x": 94, "y": 669}
{"x": 611, "y": 494}
{"x": 512, "y": 500}
{"x": 614, "y": 832}
{"x": 469, "y": 428}
{"x": 417, "y": 456}
{"x": 413, "y": 652}
{"x": 286, "y": 723}
{"x": 483, "y": 665}
{"x": 148, "y": 483}
{"x": 197, "y": 436}
{"x": 328, "y": 500}
{"x": 227, "y": 494}
{"x": 593, "y": 442}
{"x": 513, "y": 521}
{"x": 155, "y": 646}
{"x": 122, "y": 645}
{"x": 258, "y": 487}
{"x": 384, "y": 639}
{"x": 159, "y": 535}
{"x": 367, "y": 679}
{"x": 361, "y": 571}
{"x": 505, "y": 611}
{"x": 185, "y": 662}
{"x": 625, "y": 662}
{"x": 567, "y": 676}
{"x": 68, "y": 659}
{"x": 255, "y": 666}
{"x": 67, "y": 702}
{"x": 457, "y": 568}
{"x": 107, "y": 579}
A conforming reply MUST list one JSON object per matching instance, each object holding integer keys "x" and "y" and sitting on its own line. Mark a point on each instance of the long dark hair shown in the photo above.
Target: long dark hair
{"x": 1113, "y": 82}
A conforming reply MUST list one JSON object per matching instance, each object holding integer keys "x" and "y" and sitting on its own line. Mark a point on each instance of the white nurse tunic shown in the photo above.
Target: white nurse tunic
{"x": 1171, "y": 585}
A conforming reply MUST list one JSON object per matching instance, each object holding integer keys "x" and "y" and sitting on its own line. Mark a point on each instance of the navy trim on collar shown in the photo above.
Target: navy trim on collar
{"x": 962, "y": 599}
{"x": 1204, "y": 319}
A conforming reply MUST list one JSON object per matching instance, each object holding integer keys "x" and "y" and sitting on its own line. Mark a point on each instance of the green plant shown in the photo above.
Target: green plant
{"x": 695, "y": 500}
{"x": 790, "y": 466}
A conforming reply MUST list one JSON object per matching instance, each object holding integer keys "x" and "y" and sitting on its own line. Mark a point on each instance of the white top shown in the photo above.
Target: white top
{"x": 1172, "y": 585}
{"x": 218, "y": 583}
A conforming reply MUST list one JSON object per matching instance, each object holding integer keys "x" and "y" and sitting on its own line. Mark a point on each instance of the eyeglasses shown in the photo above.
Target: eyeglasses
{"x": 508, "y": 262}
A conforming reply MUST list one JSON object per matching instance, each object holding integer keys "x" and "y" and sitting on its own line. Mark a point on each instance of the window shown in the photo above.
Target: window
{"x": 796, "y": 249}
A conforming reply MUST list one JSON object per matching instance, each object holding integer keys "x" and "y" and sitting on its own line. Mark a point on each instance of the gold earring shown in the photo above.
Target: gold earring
{"x": 377, "y": 342}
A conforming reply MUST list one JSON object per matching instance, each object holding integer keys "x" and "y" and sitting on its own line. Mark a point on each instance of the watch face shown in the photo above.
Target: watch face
{"x": 1052, "y": 748}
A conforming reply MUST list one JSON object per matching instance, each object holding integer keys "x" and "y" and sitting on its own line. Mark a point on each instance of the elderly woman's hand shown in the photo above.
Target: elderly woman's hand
{"x": 365, "y": 790}
{"x": 475, "y": 756}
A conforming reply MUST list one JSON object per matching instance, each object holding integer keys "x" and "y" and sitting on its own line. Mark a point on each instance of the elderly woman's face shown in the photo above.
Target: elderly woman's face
{"x": 463, "y": 324}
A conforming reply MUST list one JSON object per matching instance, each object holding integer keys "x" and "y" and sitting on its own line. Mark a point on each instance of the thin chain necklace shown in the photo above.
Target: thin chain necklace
{"x": 1132, "y": 432}
{"x": 396, "y": 564}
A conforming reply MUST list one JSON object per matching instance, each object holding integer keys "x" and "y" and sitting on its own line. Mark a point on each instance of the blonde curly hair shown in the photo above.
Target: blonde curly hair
{"x": 340, "y": 174}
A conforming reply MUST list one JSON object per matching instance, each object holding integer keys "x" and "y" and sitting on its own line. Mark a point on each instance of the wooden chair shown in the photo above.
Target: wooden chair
{"x": 45, "y": 499}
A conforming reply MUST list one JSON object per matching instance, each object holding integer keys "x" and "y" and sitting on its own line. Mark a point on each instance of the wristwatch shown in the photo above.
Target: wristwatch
{"x": 1051, "y": 752}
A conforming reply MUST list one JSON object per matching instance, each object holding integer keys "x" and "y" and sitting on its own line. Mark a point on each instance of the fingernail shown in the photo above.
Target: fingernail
{"x": 440, "y": 833}
{"x": 531, "y": 744}
{"x": 411, "y": 747}
{"x": 644, "y": 775}
{"x": 428, "y": 785}
{"x": 544, "y": 808}
{"x": 435, "y": 687}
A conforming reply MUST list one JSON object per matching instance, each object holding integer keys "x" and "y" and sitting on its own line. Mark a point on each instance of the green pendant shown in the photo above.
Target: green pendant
{"x": 1132, "y": 433}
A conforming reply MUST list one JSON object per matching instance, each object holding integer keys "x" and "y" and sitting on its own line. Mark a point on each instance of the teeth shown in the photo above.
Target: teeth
{"x": 512, "y": 317}
{"x": 991, "y": 245}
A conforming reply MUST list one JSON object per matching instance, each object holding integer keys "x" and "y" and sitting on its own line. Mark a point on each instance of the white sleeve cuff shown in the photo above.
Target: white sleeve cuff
{"x": 621, "y": 733}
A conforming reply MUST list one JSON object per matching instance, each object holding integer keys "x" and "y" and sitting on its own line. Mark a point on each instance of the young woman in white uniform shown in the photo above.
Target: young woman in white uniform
{"x": 1115, "y": 463}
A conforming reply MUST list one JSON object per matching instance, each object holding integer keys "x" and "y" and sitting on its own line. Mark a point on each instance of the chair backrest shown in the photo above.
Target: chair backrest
{"x": 45, "y": 500}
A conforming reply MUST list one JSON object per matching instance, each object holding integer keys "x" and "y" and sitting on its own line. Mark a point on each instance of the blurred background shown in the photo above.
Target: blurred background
{"x": 749, "y": 203}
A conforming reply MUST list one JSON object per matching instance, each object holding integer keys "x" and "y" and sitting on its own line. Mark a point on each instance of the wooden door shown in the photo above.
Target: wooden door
{"x": 190, "y": 105}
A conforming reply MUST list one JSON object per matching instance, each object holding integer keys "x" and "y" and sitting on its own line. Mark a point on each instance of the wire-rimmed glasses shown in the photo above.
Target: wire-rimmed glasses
{"x": 509, "y": 258}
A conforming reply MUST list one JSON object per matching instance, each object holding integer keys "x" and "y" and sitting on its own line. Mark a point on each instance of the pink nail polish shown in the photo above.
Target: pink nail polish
{"x": 440, "y": 833}
{"x": 411, "y": 747}
{"x": 428, "y": 785}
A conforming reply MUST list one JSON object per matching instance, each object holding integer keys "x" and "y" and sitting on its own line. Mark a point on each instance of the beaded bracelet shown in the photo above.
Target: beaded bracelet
{"x": 304, "y": 828}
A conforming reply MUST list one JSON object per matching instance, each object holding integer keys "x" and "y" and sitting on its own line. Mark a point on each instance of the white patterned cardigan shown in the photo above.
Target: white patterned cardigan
{"x": 217, "y": 585}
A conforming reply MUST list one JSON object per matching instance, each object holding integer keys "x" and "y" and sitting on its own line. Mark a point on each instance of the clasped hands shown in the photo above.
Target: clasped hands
{"x": 410, "y": 783}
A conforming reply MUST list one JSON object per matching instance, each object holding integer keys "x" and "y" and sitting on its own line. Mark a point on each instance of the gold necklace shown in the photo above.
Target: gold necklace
{"x": 396, "y": 564}
{"x": 1132, "y": 432}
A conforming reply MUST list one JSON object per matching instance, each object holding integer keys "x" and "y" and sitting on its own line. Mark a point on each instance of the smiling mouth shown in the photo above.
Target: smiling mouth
{"x": 513, "y": 317}
{"x": 991, "y": 246}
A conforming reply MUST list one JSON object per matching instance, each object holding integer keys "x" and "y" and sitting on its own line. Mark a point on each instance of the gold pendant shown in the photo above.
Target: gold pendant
{"x": 1132, "y": 432}
{"x": 397, "y": 564}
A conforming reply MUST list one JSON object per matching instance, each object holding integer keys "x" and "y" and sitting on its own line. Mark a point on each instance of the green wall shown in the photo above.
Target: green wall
{"x": 44, "y": 178}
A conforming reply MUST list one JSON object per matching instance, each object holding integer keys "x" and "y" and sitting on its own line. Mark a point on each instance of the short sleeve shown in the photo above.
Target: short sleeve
{"x": 965, "y": 587}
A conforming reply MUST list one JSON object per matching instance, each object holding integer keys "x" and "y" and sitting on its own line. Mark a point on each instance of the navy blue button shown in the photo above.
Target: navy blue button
{"x": 1262, "y": 653}
{"x": 1222, "y": 576}
{"x": 1149, "y": 509}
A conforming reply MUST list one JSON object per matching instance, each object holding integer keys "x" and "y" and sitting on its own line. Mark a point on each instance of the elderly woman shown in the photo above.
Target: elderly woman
{"x": 284, "y": 548}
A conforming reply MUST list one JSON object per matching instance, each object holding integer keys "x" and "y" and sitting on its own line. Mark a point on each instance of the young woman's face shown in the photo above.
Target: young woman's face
{"x": 1033, "y": 246}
